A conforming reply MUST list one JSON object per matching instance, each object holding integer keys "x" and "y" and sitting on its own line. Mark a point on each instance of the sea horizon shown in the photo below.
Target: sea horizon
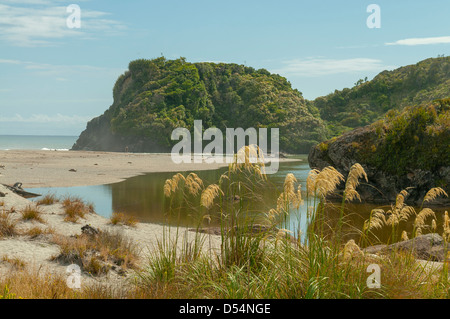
{"x": 37, "y": 142}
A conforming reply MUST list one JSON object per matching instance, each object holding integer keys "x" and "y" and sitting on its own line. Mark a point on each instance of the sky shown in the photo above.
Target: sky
{"x": 58, "y": 67}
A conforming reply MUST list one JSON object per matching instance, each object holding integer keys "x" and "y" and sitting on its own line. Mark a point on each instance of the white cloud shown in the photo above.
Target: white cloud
{"x": 421, "y": 41}
{"x": 61, "y": 72}
{"x": 43, "y": 23}
{"x": 319, "y": 66}
{"x": 44, "y": 118}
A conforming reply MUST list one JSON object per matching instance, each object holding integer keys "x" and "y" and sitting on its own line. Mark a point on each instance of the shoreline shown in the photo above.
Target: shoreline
{"x": 45, "y": 168}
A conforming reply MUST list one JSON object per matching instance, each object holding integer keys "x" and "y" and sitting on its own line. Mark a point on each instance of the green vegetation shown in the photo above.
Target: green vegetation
{"x": 156, "y": 96}
{"x": 368, "y": 101}
{"x": 414, "y": 138}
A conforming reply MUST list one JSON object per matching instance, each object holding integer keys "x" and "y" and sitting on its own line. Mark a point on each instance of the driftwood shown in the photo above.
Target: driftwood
{"x": 17, "y": 189}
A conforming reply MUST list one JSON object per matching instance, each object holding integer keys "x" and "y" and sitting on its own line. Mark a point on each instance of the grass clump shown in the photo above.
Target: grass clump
{"x": 15, "y": 262}
{"x": 35, "y": 232}
{"x": 75, "y": 208}
{"x": 123, "y": 219}
{"x": 7, "y": 225}
{"x": 97, "y": 254}
{"x": 30, "y": 213}
{"x": 48, "y": 199}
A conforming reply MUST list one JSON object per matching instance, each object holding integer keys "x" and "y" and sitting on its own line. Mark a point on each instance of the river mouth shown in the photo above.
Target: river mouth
{"x": 143, "y": 198}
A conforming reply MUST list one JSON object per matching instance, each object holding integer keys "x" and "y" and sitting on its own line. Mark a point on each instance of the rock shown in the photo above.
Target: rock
{"x": 89, "y": 230}
{"x": 374, "y": 249}
{"x": 431, "y": 247}
{"x": 72, "y": 170}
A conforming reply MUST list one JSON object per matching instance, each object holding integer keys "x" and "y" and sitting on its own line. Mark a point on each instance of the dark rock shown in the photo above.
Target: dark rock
{"x": 89, "y": 230}
{"x": 375, "y": 249}
{"x": 431, "y": 247}
{"x": 99, "y": 136}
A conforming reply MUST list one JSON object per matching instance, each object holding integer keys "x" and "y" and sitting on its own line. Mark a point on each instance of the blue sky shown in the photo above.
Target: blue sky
{"x": 53, "y": 79}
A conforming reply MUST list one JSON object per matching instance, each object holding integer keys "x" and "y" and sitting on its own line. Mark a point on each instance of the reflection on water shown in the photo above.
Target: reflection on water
{"x": 143, "y": 197}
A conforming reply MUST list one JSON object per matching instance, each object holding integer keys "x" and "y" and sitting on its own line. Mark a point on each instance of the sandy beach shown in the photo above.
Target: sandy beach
{"x": 37, "y": 252}
{"x": 82, "y": 168}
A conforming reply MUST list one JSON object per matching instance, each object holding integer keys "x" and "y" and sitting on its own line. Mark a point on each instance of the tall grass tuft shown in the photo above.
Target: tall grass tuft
{"x": 48, "y": 199}
{"x": 7, "y": 225}
{"x": 123, "y": 219}
{"x": 75, "y": 208}
{"x": 32, "y": 213}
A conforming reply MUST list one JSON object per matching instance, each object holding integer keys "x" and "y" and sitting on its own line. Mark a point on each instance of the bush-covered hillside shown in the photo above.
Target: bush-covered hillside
{"x": 407, "y": 148}
{"x": 156, "y": 96}
{"x": 368, "y": 101}
{"x": 414, "y": 138}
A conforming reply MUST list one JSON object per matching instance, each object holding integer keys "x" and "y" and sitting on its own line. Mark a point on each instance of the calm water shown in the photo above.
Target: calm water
{"x": 143, "y": 197}
{"x": 28, "y": 142}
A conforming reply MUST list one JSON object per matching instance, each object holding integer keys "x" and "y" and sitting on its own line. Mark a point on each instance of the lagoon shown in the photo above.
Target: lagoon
{"x": 143, "y": 198}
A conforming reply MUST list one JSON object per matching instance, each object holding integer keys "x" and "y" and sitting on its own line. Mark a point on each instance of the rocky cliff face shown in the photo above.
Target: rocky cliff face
{"x": 99, "y": 136}
{"x": 367, "y": 145}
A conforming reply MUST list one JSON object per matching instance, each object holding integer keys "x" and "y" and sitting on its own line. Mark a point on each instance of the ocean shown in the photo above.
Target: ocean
{"x": 36, "y": 142}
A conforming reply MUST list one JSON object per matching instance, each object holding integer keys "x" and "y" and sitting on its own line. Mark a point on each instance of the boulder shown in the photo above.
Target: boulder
{"x": 430, "y": 247}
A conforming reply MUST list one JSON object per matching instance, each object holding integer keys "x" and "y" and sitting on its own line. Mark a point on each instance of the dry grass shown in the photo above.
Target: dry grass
{"x": 324, "y": 182}
{"x": 192, "y": 183}
{"x": 97, "y": 254}
{"x": 48, "y": 199}
{"x": 446, "y": 233}
{"x": 34, "y": 284}
{"x": 31, "y": 212}
{"x": 7, "y": 225}
{"x": 209, "y": 194}
{"x": 75, "y": 208}
{"x": 38, "y": 231}
{"x": 16, "y": 263}
{"x": 356, "y": 172}
{"x": 401, "y": 213}
{"x": 433, "y": 193}
{"x": 123, "y": 219}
